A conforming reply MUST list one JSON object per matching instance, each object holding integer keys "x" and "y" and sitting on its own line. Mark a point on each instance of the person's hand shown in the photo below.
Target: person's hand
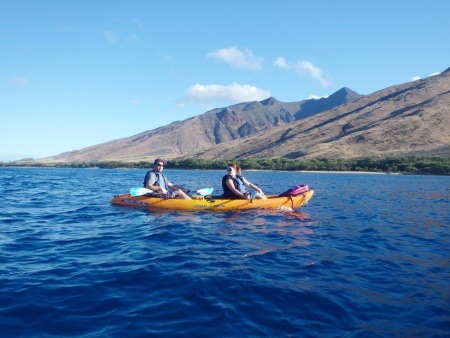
{"x": 163, "y": 191}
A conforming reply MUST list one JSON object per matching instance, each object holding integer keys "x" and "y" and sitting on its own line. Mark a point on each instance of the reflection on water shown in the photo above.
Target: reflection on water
{"x": 293, "y": 226}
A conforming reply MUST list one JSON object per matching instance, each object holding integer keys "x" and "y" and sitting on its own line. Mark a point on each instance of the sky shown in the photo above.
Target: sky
{"x": 79, "y": 73}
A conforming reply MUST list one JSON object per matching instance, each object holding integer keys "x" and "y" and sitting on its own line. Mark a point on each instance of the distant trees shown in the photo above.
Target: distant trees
{"x": 405, "y": 165}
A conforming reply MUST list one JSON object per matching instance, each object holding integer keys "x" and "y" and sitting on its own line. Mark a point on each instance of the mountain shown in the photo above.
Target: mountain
{"x": 407, "y": 119}
{"x": 183, "y": 138}
{"x": 312, "y": 107}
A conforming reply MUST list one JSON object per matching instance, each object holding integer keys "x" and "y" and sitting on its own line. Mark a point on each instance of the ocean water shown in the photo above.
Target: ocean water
{"x": 367, "y": 257}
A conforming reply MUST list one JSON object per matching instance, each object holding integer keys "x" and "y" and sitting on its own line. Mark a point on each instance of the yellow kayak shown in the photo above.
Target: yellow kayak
{"x": 211, "y": 203}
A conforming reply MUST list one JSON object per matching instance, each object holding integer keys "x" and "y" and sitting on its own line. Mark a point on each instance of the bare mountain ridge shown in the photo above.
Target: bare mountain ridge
{"x": 407, "y": 119}
{"x": 183, "y": 138}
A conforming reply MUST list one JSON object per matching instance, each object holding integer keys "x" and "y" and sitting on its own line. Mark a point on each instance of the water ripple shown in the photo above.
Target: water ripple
{"x": 367, "y": 257}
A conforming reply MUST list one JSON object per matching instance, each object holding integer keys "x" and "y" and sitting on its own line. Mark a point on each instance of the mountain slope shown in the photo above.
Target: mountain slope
{"x": 217, "y": 126}
{"x": 412, "y": 118}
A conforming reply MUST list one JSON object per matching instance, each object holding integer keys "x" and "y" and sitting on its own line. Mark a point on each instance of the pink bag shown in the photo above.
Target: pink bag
{"x": 294, "y": 191}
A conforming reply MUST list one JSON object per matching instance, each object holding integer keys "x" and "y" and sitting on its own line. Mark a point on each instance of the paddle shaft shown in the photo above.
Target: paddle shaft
{"x": 139, "y": 191}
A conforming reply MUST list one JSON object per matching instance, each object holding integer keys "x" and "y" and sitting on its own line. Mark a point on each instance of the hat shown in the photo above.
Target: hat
{"x": 158, "y": 160}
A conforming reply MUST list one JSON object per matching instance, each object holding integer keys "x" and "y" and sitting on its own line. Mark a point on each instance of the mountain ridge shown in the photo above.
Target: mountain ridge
{"x": 181, "y": 138}
{"x": 405, "y": 119}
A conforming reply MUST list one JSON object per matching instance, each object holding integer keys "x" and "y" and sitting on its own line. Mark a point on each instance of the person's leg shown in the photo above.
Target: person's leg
{"x": 183, "y": 195}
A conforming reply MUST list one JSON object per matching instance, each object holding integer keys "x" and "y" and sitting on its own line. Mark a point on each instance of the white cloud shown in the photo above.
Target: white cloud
{"x": 234, "y": 93}
{"x": 281, "y": 62}
{"x": 237, "y": 58}
{"x": 136, "y": 101}
{"x": 67, "y": 29}
{"x": 415, "y": 78}
{"x": 111, "y": 36}
{"x": 21, "y": 81}
{"x": 316, "y": 97}
{"x": 303, "y": 68}
{"x": 313, "y": 96}
{"x": 138, "y": 23}
{"x": 134, "y": 37}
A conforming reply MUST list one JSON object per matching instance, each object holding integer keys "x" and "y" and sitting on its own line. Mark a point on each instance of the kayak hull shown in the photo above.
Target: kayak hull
{"x": 209, "y": 203}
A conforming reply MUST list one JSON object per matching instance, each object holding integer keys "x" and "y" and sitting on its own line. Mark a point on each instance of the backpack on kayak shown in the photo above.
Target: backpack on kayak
{"x": 294, "y": 191}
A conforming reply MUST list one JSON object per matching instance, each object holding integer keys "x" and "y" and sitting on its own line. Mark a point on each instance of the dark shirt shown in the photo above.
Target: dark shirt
{"x": 238, "y": 184}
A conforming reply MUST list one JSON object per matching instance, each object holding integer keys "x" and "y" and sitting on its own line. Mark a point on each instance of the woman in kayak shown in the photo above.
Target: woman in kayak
{"x": 234, "y": 185}
{"x": 161, "y": 186}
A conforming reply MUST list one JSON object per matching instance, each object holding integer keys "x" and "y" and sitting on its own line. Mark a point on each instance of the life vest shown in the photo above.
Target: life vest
{"x": 238, "y": 183}
{"x": 160, "y": 181}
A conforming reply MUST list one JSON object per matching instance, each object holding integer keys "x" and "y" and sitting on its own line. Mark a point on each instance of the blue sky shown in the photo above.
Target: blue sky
{"x": 79, "y": 73}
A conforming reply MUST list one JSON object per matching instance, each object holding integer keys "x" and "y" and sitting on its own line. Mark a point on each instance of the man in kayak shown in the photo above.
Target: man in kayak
{"x": 233, "y": 185}
{"x": 161, "y": 186}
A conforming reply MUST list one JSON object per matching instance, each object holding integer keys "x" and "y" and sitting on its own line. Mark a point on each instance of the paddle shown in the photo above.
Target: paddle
{"x": 139, "y": 191}
{"x": 205, "y": 191}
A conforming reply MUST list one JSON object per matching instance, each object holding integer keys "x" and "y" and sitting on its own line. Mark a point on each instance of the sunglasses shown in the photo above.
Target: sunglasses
{"x": 229, "y": 169}
{"x": 160, "y": 165}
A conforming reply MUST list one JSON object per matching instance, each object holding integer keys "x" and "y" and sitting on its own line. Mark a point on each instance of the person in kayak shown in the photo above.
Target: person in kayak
{"x": 234, "y": 185}
{"x": 161, "y": 186}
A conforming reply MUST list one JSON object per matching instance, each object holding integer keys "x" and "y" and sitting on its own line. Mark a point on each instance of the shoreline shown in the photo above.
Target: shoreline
{"x": 347, "y": 172}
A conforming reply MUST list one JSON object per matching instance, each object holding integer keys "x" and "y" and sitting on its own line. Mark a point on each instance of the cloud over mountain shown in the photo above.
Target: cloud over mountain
{"x": 303, "y": 68}
{"x": 237, "y": 59}
{"x": 231, "y": 93}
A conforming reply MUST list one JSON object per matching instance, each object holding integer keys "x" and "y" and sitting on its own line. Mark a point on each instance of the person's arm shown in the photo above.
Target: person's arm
{"x": 153, "y": 187}
{"x": 157, "y": 188}
{"x": 253, "y": 186}
{"x": 229, "y": 183}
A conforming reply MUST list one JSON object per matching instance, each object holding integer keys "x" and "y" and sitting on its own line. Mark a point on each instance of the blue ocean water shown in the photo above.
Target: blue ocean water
{"x": 367, "y": 257}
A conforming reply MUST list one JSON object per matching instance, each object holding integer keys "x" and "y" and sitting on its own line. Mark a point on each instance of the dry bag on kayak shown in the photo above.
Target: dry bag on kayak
{"x": 294, "y": 191}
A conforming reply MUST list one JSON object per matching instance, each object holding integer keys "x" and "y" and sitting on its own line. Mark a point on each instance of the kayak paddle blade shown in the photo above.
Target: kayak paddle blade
{"x": 205, "y": 191}
{"x": 139, "y": 191}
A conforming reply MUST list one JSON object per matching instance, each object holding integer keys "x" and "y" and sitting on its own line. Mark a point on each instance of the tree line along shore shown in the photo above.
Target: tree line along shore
{"x": 400, "y": 165}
